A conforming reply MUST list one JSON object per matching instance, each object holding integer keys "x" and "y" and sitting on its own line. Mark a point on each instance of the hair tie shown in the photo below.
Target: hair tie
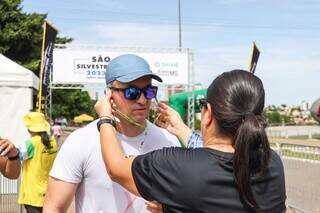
{"x": 246, "y": 114}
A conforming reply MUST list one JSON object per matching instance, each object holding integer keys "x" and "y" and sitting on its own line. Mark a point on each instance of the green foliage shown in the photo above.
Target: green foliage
{"x": 21, "y": 34}
{"x": 273, "y": 117}
{"x": 21, "y": 40}
{"x": 152, "y": 115}
{"x": 70, "y": 103}
{"x": 63, "y": 40}
{"x": 197, "y": 125}
{"x": 287, "y": 119}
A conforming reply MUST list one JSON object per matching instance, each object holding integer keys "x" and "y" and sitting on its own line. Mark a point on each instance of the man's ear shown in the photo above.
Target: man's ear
{"x": 207, "y": 116}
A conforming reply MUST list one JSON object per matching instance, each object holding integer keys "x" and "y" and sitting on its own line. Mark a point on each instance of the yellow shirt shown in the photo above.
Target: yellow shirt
{"x": 35, "y": 171}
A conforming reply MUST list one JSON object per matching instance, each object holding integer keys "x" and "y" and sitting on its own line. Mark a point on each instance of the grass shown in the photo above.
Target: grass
{"x": 300, "y": 154}
{"x": 315, "y": 136}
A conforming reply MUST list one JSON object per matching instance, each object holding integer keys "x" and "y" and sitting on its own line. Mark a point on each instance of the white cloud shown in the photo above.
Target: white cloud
{"x": 288, "y": 68}
{"x": 130, "y": 34}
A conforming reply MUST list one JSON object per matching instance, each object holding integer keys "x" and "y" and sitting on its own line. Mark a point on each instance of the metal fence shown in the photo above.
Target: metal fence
{"x": 302, "y": 132}
{"x": 9, "y": 195}
{"x": 302, "y": 171}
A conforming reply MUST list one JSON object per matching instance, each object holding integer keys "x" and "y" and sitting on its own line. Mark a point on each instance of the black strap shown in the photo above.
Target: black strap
{"x": 106, "y": 120}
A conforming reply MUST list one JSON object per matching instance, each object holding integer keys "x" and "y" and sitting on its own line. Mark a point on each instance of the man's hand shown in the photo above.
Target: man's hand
{"x": 9, "y": 168}
{"x": 154, "y": 207}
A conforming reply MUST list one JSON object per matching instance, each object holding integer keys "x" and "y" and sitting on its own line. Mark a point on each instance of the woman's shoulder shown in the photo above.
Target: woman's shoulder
{"x": 180, "y": 154}
{"x": 275, "y": 159}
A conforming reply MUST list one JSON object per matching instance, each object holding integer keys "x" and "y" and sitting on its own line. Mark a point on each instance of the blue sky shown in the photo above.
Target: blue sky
{"x": 219, "y": 32}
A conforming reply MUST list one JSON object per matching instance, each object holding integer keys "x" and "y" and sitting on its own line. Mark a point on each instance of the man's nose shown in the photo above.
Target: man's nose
{"x": 142, "y": 99}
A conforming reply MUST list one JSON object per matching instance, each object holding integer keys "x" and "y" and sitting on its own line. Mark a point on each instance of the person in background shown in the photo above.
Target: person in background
{"x": 57, "y": 132}
{"x": 41, "y": 150}
{"x": 235, "y": 171}
{"x": 79, "y": 169}
{"x": 10, "y": 165}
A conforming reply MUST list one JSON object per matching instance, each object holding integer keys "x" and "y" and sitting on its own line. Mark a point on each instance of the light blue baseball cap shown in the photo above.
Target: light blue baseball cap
{"x": 127, "y": 68}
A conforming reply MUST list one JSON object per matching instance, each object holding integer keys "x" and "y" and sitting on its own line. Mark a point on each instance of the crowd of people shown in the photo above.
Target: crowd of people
{"x": 121, "y": 162}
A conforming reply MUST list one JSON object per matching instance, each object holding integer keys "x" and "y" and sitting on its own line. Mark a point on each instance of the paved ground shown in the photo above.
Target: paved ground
{"x": 302, "y": 184}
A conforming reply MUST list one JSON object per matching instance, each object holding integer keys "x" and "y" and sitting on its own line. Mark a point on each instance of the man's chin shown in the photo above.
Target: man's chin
{"x": 139, "y": 118}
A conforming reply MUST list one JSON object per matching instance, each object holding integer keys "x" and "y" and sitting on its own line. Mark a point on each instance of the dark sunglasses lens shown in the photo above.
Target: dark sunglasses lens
{"x": 132, "y": 93}
{"x": 150, "y": 92}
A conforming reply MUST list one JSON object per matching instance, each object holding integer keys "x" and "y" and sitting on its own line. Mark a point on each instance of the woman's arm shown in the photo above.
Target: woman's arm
{"x": 117, "y": 165}
{"x": 10, "y": 165}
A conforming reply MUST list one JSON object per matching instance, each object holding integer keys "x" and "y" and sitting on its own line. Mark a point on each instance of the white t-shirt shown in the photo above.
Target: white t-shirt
{"x": 80, "y": 161}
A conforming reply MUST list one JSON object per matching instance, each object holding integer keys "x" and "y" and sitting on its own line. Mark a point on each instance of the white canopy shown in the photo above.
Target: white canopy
{"x": 17, "y": 88}
{"x": 13, "y": 74}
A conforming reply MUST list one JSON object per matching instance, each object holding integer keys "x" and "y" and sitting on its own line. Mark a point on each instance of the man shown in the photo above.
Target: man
{"x": 9, "y": 159}
{"x": 79, "y": 169}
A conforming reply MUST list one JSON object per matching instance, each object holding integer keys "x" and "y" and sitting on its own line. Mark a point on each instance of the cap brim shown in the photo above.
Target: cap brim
{"x": 40, "y": 127}
{"x": 135, "y": 76}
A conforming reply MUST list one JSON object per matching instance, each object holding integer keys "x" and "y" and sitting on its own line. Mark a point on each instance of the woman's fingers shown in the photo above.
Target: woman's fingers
{"x": 103, "y": 106}
{"x": 108, "y": 93}
{"x": 154, "y": 207}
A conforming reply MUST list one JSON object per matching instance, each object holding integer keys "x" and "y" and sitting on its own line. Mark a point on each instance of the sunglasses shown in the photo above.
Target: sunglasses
{"x": 133, "y": 93}
{"x": 203, "y": 103}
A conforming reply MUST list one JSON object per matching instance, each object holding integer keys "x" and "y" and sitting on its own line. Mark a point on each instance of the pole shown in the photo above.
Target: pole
{"x": 179, "y": 18}
{"x": 41, "y": 69}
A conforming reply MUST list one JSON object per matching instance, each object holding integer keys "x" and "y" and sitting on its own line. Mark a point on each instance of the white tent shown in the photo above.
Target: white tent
{"x": 17, "y": 86}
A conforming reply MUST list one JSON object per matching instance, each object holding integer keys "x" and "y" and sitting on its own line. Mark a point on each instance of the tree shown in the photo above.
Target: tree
{"x": 21, "y": 34}
{"x": 273, "y": 117}
{"x": 21, "y": 41}
{"x": 70, "y": 103}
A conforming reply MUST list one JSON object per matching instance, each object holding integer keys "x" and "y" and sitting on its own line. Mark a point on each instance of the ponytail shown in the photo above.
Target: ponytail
{"x": 237, "y": 99}
{"x": 45, "y": 139}
{"x": 251, "y": 156}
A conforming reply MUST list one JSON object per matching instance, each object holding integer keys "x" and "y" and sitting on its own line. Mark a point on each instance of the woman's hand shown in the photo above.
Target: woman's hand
{"x": 154, "y": 207}
{"x": 7, "y": 148}
{"x": 103, "y": 107}
{"x": 171, "y": 120}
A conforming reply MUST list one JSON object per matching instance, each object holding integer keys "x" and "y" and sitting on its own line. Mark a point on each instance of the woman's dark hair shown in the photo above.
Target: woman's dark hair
{"x": 45, "y": 139}
{"x": 237, "y": 100}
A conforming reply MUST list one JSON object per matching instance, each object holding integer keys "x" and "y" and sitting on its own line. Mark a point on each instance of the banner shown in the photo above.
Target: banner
{"x": 254, "y": 58}
{"x": 89, "y": 66}
{"x": 49, "y": 36}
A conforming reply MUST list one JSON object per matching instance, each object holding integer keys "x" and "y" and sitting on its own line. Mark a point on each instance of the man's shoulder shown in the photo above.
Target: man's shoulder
{"x": 85, "y": 134}
{"x": 163, "y": 134}
{"x": 155, "y": 129}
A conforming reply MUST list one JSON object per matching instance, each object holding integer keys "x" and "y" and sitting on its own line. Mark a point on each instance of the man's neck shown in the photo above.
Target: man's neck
{"x": 129, "y": 129}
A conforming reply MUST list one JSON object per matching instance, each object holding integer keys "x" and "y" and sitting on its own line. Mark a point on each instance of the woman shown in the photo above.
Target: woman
{"x": 9, "y": 159}
{"x": 235, "y": 171}
{"x": 38, "y": 160}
